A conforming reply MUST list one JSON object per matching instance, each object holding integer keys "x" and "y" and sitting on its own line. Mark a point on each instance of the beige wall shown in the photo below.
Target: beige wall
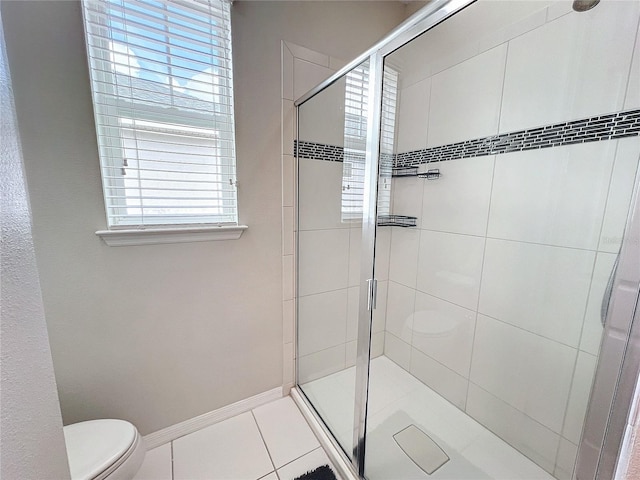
{"x": 31, "y": 440}
{"x": 158, "y": 334}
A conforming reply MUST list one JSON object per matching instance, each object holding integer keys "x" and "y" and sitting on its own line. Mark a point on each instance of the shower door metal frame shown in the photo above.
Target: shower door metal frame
{"x": 423, "y": 20}
{"x": 610, "y": 398}
{"x": 420, "y": 22}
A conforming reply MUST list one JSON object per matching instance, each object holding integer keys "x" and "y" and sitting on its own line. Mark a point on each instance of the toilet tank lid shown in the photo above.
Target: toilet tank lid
{"x": 95, "y": 445}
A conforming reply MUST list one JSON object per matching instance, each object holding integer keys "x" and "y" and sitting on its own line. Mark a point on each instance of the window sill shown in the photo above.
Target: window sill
{"x": 159, "y": 235}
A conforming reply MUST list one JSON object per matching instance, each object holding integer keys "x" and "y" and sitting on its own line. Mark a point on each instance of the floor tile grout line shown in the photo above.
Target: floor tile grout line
{"x": 301, "y": 456}
{"x": 264, "y": 442}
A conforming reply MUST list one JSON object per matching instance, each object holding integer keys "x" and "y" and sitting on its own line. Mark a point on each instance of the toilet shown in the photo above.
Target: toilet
{"x": 104, "y": 449}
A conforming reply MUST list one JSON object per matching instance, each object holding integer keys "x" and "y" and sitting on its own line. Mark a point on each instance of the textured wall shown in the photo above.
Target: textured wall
{"x": 31, "y": 438}
{"x": 158, "y": 334}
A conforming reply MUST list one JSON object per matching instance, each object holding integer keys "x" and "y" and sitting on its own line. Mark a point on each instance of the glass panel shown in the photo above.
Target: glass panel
{"x": 515, "y": 152}
{"x": 331, "y": 147}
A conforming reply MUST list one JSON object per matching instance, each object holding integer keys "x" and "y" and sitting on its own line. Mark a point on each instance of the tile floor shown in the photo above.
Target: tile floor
{"x": 271, "y": 442}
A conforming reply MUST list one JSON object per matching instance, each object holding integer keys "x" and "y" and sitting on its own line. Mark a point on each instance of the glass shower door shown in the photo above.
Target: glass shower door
{"x": 331, "y": 281}
{"x": 515, "y": 158}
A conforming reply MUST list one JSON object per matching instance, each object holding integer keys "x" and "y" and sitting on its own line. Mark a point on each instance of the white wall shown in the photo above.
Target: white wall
{"x": 159, "y": 334}
{"x": 31, "y": 439}
{"x": 494, "y": 300}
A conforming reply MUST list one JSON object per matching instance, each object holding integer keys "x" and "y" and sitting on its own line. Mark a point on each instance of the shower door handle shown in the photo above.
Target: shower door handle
{"x": 606, "y": 298}
{"x": 372, "y": 285}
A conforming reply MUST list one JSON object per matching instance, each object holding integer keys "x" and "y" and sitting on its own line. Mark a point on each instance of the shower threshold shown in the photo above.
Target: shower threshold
{"x": 397, "y": 400}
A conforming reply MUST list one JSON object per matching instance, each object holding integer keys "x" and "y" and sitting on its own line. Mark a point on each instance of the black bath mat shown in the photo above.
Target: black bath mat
{"x": 321, "y": 473}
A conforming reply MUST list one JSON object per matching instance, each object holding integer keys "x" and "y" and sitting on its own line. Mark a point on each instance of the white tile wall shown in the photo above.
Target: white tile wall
{"x": 413, "y": 116}
{"x": 322, "y": 321}
{"x": 446, "y": 382}
{"x": 383, "y": 249}
{"x": 632, "y": 100}
{"x": 308, "y": 71}
{"x": 377, "y": 344}
{"x": 353, "y": 300}
{"x": 288, "y": 231}
{"x": 529, "y": 372}
{"x": 287, "y": 277}
{"x": 403, "y": 266}
{"x": 320, "y": 197}
{"x": 537, "y": 195}
{"x": 472, "y": 86}
{"x": 351, "y": 353}
{"x": 397, "y": 350}
{"x": 555, "y": 73}
{"x": 288, "y": 359}
{"x": 322, "y": 363}
{"x": 324, "y": 263}
{"x": 567, "y": 453}
{"x": 400, "y": 308}
{"x": 288, "y": 126}
{"x": 288, "y": 180}
{"x": 523, "y": 433}
{"x": 288, "y": 320}
{"x": 623, "y": 179}
{"x": 579, "y": 397}
{"x": 458, "y": 202}
{"x": 533, "y": 197}
{"x": 287, "y": 72}
{"x": 592, "y": 327}
{"x": 558, "y": 9}
{"x": 538, "y": 288}
{"x": 380, "y": 312}
{"x": 444, "y": 332}
{"x": 404, "y": 197}
{"x": 514, "y": 29}
{"x": 553, "y": 218}
{"x": 317, "y": 120}
{"x": 355, "y": 249}
{"x": 449, "y": 267}
{"x": 503, "y": 464}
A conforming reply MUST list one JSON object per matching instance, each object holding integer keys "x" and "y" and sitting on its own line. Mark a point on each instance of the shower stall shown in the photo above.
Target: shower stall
{"x": 468, "y": 231}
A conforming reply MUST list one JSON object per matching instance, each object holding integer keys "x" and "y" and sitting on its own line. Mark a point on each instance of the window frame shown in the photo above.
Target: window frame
{"x": 110, "y": 138}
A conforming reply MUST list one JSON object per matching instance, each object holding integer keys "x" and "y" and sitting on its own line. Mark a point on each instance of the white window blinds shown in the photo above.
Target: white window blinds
{"x": 355, "y": 138}
{"x": 161, "y": 79}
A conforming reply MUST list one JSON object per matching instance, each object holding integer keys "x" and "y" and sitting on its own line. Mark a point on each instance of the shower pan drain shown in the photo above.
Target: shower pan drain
{"x": 420, "y": 448}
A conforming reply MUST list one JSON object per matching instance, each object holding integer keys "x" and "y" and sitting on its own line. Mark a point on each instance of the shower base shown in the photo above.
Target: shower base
{"x": 398, "y": 400}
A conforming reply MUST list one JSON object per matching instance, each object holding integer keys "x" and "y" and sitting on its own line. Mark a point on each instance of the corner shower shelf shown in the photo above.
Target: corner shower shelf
{"x": 431, "y": 174}
{"x": 396, "y": 221}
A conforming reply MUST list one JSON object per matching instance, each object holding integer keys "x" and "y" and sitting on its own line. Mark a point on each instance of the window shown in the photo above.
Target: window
{"x": 161, "y": 78}
{"x": 355, "y": 137}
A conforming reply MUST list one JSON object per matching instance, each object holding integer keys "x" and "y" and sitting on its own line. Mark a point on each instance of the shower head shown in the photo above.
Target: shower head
{"x": 584, "y": 5}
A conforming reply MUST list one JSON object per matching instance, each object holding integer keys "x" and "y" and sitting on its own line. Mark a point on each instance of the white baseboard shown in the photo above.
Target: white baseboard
{"x": 194, "y": 424}
{"x": 334, "y": 453}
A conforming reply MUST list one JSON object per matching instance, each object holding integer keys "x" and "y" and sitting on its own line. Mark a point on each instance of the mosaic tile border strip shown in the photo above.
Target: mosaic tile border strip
{"x": 318, "y": 151}
{"x": 593, "y": 129}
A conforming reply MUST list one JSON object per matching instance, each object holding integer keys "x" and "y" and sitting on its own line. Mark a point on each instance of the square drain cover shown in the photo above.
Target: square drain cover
{"x": 421, "y": 449}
